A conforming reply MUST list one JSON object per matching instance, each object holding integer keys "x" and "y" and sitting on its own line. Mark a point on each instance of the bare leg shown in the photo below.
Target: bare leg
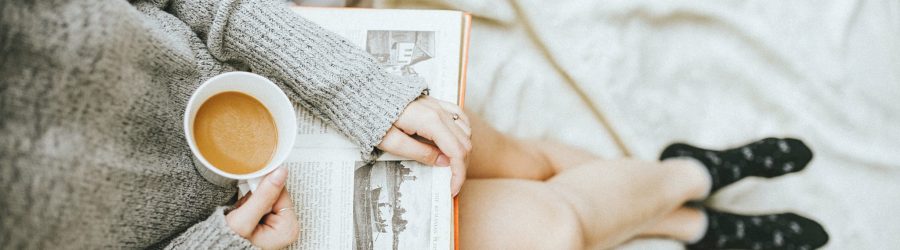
{"x": 684, "y": 224}
{"x": 616, "y": 200}
{"x": 516, "y": 214}
{"x": 601, "y": 205}
{"x": 562, "y": 157}
{"x": 496, "y": 155}
{"x": 582, "y": 201}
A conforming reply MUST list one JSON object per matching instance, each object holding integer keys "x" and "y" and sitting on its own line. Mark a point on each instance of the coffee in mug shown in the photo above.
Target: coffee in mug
{"x": 235, "y": 133}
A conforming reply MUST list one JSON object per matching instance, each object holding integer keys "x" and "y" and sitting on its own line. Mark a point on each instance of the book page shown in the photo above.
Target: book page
{"x": 323, "y": 199}
{"x": 393, "y": 203}
{"x": 400, "y": 205}
{"x": 424, "y": 44}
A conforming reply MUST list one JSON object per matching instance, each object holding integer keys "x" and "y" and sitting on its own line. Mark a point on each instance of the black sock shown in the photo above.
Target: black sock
{"x": 774, "y": 231}
{"x": 768, "y": 157}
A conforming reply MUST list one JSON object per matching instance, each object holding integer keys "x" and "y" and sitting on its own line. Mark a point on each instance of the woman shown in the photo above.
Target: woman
{"x": 92, "y": 153}
{"x": 544, "y": 195}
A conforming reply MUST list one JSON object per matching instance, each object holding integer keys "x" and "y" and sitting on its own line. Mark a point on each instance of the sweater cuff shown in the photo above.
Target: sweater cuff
{"x": 213, "y": 233}
{"x": 370, "y": 112}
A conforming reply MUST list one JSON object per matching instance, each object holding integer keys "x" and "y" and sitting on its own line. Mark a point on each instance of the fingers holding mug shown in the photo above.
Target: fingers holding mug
{"x": 266, "y": 217}
{"x": 244, "y": 219}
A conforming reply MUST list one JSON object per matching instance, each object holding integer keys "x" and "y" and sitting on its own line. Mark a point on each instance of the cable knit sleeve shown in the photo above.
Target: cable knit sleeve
{"x": 327, "y": 75}
{"x": 213, "y": 233}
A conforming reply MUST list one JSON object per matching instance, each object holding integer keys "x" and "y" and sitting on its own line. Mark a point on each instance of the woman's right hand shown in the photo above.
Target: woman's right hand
{"x": 266, "y": 216}
{"x": 446, "y": 129}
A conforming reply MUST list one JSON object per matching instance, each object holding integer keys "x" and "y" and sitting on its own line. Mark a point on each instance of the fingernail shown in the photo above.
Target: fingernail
{"x": 455, "y": 192}
{"x": 278, "y": 177}
{"x": 442, "y": 161}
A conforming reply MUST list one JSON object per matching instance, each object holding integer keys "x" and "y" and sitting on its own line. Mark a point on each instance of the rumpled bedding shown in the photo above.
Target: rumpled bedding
{"x": 713, "y": 73}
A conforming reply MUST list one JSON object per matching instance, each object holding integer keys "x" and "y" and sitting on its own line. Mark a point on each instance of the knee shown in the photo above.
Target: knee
{"x": 517, "y": 215}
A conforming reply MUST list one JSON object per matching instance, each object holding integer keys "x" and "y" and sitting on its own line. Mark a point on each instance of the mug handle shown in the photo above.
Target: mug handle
{"x": 248, "y": 185}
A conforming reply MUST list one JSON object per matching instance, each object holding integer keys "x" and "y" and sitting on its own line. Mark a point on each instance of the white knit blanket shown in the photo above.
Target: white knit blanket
{"x": 716, "y": 74}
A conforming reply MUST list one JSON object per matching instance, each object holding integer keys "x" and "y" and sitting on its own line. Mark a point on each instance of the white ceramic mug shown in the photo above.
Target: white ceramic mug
{"x": 270, "y": 96}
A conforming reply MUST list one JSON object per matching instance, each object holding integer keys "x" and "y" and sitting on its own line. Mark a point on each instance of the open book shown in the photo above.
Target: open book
{"x": 394, "y": 203}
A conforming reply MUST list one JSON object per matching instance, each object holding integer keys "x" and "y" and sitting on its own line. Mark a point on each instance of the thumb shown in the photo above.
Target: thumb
{"x": 245, "y": 218}
{"x": 399, "y": 143}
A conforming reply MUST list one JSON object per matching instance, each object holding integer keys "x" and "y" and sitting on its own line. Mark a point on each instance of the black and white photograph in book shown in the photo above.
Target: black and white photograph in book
{"x": 403, "y": 52}
{"x": 386, "y": 195}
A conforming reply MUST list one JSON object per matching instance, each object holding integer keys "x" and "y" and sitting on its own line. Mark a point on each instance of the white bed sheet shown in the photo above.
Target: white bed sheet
{"x": 716, "y": 74}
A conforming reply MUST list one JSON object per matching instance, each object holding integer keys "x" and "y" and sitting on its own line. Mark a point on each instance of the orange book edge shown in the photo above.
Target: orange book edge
{"x": 467, "y": 28}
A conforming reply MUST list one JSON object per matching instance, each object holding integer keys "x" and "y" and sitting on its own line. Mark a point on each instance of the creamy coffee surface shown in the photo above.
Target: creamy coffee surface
{"x": 235, "y": 133}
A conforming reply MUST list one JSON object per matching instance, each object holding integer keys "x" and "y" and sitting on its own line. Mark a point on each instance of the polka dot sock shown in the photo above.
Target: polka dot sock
{"x": 773, "y": 231}
{"x": 768, "y": 157}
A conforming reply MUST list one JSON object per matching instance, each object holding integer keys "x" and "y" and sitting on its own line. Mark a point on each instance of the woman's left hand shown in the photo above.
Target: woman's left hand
{"x": 446, "y": 130}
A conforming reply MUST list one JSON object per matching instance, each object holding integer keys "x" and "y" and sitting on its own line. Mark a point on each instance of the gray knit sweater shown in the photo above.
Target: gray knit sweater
{"x": 92, "y": 152}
